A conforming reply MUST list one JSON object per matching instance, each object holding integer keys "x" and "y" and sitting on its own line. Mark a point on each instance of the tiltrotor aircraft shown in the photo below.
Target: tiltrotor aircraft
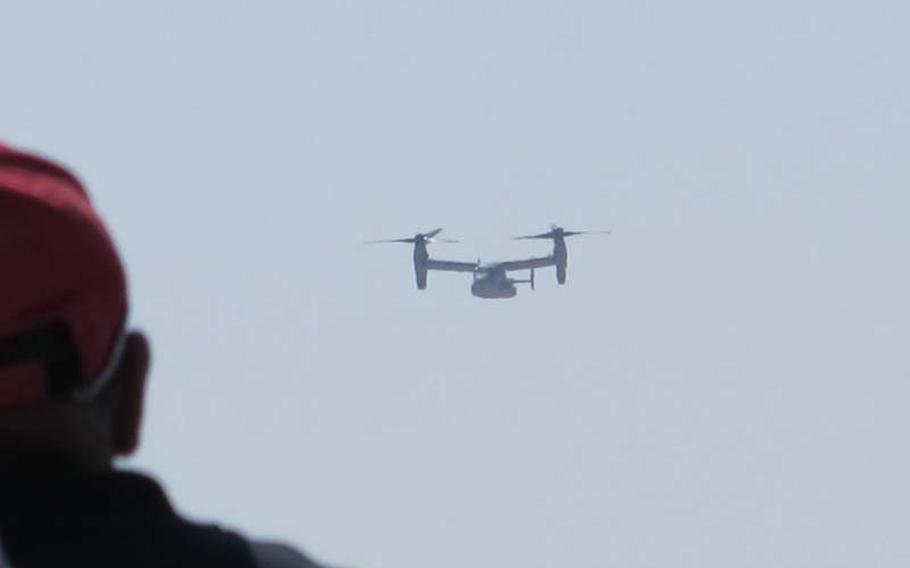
{"x": 491, "y": 280}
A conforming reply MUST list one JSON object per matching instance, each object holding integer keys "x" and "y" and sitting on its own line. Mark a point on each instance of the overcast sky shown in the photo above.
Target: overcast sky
{"x": 722, "y": 381}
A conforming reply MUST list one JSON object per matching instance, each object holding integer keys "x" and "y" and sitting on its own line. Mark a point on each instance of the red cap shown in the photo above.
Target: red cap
{"x": 59, "y": 270}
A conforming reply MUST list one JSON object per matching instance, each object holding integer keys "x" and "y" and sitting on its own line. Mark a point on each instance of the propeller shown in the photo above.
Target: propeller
{"x": 557, "y": 232}
{"x": 426, "y": 238}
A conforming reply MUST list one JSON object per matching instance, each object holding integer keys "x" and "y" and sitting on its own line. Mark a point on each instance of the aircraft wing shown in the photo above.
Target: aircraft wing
{"x": 527, "y": 264}
{"x": 451, "y": 265}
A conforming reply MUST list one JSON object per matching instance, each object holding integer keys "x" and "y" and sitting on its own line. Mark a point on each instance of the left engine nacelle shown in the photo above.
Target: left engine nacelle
{"x": 420, "y": 274}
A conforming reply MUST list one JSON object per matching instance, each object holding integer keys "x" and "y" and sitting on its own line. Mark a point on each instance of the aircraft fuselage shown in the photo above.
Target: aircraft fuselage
{"x": 493, "y": 288}
{"x": 494, "y": 284}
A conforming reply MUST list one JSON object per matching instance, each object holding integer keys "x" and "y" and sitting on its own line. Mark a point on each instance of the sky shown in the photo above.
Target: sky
{"x": 722, "y": 380}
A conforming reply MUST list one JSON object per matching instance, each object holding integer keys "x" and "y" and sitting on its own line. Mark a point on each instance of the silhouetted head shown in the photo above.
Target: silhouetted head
{"x": 72, "y": 378}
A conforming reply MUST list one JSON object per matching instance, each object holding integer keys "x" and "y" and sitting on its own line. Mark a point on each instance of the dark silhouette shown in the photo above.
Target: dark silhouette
{"x": 491, "y": 280}
{"x": 72, "y": 381}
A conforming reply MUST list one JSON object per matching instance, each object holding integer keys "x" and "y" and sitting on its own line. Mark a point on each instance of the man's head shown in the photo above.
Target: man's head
{"x": 71, "y": 377}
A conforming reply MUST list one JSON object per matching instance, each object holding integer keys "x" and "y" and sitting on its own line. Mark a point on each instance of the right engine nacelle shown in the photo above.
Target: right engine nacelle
{"x": 561, "y": 273}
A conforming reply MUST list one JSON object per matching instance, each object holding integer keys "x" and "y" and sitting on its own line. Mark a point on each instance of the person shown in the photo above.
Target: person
{"x": 72, "y": 383}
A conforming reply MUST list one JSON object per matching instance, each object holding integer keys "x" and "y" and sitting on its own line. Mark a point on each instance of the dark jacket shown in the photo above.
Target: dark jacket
{"x": 52, "y": 518}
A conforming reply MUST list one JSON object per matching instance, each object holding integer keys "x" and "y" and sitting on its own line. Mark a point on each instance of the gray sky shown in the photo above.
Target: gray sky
{"x": 723, "y": 381}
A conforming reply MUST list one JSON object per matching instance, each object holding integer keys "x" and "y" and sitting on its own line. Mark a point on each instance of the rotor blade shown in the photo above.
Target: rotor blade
{"x": 540, "y": 236}
{"x": 432, "y": 233}
{"x": 573, "y": 233}
{"x": 409, "y": 240}
{"x": 442, "y": 240}
{"x": 559, "y": 231}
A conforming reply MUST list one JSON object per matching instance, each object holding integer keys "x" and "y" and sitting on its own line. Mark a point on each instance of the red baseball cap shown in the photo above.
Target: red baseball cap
{"x": 63, "y": 298}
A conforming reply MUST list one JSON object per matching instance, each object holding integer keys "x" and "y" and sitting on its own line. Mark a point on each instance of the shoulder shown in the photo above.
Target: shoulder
{"x": 276, "y": 555}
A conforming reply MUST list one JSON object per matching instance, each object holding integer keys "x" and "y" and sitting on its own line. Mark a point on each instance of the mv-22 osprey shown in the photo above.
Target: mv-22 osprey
{"x": 491, "y": 280}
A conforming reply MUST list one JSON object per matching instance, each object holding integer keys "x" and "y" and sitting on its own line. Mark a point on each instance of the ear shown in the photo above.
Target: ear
{"x": 131, "y": 377}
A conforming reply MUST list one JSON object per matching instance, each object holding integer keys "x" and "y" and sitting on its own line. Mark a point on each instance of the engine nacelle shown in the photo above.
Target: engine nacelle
{"x": 561, "y": 258}
{"x": 420, "y": 275}
{"x": 421, "y": 256}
